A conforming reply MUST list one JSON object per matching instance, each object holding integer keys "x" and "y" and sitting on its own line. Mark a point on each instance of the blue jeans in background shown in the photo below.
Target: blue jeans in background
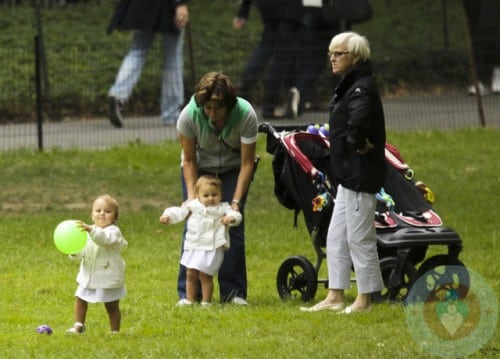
{"x": 172, "y": 88}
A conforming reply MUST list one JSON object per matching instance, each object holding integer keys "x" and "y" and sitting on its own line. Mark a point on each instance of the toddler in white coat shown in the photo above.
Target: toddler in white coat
{"x": 206, "y": 237}
{"x": 101, "y": 278}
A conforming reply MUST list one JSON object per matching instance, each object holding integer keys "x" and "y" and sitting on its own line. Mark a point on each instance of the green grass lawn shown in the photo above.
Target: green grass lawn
{"x": 39, "y": 190}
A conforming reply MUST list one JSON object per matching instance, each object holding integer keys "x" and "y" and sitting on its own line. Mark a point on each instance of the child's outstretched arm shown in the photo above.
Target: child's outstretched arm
{"x": 164, "y": 219}
{"x": 84, "y": 226}
{"x": 172, "y": 215}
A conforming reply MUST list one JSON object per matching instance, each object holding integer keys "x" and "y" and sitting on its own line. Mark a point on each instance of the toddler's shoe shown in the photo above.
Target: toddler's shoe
{"x": 184, "y": 302}
{"x": 78, "y": 328}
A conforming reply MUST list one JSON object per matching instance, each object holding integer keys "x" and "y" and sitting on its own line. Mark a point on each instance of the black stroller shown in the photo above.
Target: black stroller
{"x": 405, "y": 222}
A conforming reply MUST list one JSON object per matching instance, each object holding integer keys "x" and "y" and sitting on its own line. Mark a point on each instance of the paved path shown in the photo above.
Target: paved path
{"x": 402, "y": 114}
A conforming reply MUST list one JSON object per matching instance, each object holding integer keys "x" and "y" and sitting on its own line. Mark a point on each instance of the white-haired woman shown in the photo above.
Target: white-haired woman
{"x": 357, "y": 138}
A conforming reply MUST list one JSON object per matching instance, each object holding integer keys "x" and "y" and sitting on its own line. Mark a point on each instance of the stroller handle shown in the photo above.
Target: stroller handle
{"x": 267, "y": 128}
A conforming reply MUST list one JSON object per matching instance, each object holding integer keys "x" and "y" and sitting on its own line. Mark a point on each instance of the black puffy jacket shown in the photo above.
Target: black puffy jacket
{"x": 357, "y": 115}
{"x": 273, "y": 10}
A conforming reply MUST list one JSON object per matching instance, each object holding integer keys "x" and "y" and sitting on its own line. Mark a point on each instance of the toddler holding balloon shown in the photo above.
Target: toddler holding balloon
{"x": 101, "y": 278}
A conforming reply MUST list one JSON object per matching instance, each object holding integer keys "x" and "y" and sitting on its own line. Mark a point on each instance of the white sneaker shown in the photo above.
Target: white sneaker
{"x": 495, "y": 80}
{"x": 482, "y": 89}
{"x": 183, "y": 302}
{"x": 239, "y": 301}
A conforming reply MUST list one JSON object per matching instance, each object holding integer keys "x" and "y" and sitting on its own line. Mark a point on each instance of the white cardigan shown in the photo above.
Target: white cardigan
{"x": 204, "y": 228}
{"x": 102, "y": 265}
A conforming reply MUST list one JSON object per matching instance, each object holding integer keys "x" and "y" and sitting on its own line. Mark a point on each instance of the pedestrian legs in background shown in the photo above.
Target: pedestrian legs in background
{"x": 311, "y": 60}
{"x": 172, "y": 87}
{"x": 483, "y": 18}
{"x": 285, "y": 35}
{"x": 128, "y": 75}
{"x": 271, "y": 57}
{"x": 257, "y": 63}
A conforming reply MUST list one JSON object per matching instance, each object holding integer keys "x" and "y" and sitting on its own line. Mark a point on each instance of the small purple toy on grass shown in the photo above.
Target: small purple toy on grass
{"x": 44, "y": 329}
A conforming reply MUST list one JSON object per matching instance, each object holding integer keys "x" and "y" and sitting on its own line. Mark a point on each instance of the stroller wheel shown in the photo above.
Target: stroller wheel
{"x": 297, "y": 278}
{"x": 442, "y": 274}
{"x": 395, "y": 288}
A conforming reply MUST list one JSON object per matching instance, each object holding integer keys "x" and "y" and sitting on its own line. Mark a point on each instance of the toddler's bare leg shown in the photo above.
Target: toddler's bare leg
{"x": 207, "y": 287}
{"x": 114, "y": 314}
{"x": 192, "y": 276}
{"x": 81, "y": 307}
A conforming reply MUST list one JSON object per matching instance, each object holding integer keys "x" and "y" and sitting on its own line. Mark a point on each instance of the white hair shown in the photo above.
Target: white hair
{"x": 356, "y": 44}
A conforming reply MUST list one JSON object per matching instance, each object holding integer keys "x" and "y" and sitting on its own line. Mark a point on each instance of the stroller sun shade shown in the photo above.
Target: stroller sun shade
{"x": 301, "y": 167}
{"x": 294, "y": 144}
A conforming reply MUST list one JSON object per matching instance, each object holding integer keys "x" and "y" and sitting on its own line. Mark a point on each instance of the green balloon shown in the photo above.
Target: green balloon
{"x": 69, "y": 238}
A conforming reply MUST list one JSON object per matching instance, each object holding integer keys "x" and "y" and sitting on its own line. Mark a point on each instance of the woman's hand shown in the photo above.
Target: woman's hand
{"x": 238, "y": 23}
{"x": 181, "y": 16}
{"x": 235, "y": 205}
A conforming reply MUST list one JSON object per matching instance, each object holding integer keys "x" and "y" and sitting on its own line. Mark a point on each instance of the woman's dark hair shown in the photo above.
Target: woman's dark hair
{"x": 215, "y": 86}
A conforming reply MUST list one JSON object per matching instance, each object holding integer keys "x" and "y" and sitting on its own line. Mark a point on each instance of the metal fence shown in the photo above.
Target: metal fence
{"x": 44, "y": 3}
{"x": 74, "y": 115}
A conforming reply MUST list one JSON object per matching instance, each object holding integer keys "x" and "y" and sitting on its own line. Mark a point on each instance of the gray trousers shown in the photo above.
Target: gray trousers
{"x": 351, "y": 242}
